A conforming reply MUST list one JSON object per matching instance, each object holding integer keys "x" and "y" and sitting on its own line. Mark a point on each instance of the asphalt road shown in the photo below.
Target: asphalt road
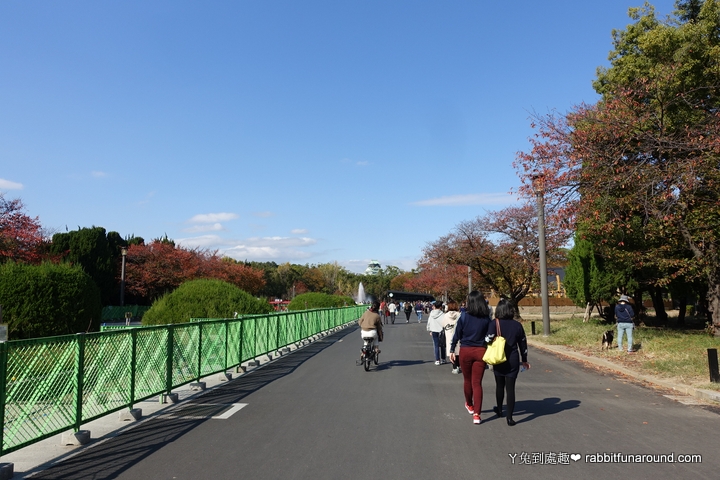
{"x": 314, "y": 414}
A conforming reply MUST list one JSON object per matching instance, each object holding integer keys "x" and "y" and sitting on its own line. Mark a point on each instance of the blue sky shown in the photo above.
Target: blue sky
{"x": 300, "y": 131}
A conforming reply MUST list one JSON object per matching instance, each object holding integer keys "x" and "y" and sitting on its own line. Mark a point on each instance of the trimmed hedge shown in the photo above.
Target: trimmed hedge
{"x": 48, "y": 299}
{"x": 205, "y": 298}
{"x": 306, "y": 301}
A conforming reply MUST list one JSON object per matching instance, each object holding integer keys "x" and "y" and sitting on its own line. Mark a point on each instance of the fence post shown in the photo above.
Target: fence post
{"x": 133, "y": 364}
{"x": 277, "y": 332}
{"x": 80, "y": 371}
{"x": 227, "y": 328}
{"x": 199, "y": 364}
{"x": 240, "y": 349}
{"x": 169, "y": 359}
{"x": 3, "y": 392}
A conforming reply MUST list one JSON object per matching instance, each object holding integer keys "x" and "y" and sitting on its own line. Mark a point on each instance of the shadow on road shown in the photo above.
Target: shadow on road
{"x": 110, "y": 458}
{"x": 398, "y": 363}
{"x": 540, "y": 408}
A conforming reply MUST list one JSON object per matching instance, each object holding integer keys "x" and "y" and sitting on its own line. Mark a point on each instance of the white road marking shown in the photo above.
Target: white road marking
{"x": 236, "y": 408}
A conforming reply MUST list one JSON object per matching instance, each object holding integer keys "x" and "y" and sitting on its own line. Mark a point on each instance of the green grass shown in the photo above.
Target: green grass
{"x": 678, "y": 353}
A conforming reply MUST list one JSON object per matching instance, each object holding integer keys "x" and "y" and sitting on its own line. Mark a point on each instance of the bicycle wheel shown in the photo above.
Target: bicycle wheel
{"x": 367, "y": 363}
{"x": 376, "y": 358}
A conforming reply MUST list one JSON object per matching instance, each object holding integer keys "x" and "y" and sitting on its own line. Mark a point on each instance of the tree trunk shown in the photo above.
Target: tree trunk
{"x": 682, "y": 310}
{"x": 588, "y": 309}
{"x": 638, "y": 307}
{"x": 713, "y": 300}
{"x": 516, "y": 307}
{"x": 658, "y": 305}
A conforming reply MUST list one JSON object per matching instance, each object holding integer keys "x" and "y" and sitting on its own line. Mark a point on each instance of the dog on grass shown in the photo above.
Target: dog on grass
{"x": 607, "y": 339}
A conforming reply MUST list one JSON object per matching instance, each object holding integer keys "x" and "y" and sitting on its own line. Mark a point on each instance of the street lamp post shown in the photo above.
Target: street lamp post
{"x": 123, "y": 251}
{"x": 540, "y": 192}
{"x": 469, "y": 279}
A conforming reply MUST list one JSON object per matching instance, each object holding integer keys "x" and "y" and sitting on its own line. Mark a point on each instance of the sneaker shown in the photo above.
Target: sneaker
{"x": 631, "y": 351}
{"x": 437, "y": 362}
{"x": 455, "y": 371}
{"x": 470, "y": 409}
{"x": 476, "y": 419}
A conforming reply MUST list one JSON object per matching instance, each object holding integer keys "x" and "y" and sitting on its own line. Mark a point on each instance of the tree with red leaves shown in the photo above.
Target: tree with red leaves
{"x": 639, "y": 172}
{"x": 160, "y": 267}
{"x": 21, "y": 237}
{"x": 438, "y": 278}
{"x": 501, "y": 248}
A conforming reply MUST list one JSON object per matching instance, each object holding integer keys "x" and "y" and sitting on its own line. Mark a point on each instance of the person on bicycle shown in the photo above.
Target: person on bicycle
{"x": 371, "y": 325}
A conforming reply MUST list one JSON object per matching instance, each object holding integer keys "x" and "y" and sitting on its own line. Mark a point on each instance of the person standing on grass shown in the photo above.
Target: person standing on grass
{"x": 506, "y": 373}
{"x": 470, "y": 332}
{"x": 624, "y": 315}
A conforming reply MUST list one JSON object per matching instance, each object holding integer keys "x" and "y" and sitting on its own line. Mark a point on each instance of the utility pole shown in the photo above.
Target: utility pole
{"x": 540, "y": 192}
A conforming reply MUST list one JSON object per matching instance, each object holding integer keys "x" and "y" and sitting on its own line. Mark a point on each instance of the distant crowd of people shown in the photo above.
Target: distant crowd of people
{"x": 390, "y": 309}
{"x": 462, "y": 333}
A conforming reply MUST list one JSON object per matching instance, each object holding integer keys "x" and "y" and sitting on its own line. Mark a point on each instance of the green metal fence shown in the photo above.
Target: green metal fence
{"x": 50, "y": 385}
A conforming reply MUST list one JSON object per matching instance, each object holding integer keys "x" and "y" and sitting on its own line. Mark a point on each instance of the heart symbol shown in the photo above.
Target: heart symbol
{"x": 575, "y": 457}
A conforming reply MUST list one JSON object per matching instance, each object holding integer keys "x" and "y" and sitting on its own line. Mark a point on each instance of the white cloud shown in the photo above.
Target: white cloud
{"x": 213, "y": 217}
{"x": 98, "y": 174}
{"x": 147, "y": 198}
{"x": 8, "y": 185}
{"x": 264, "y": 214}
{"x": 281, "y": 249}
{"x": 215, "y": 227}
{"x": 298, "y": 231}
{"x": 465, "y": 200}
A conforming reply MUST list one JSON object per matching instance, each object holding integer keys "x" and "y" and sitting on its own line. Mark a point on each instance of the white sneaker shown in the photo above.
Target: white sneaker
{"x": 455, "y": 371}
{"x": 437, "y": 362}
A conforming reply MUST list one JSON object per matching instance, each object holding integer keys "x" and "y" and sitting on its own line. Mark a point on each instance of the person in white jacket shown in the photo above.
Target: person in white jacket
{"x": 435, "y": 326}
{"x": 449, "y": 321}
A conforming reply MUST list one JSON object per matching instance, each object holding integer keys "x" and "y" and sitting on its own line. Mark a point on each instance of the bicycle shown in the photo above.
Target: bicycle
{"x": 369, "y": 354}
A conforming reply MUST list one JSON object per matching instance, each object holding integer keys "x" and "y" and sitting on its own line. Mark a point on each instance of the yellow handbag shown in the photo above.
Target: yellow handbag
{"x": 495, "y": 353}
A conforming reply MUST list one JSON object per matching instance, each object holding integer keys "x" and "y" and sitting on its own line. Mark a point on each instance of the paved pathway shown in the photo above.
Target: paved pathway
{"x": 314, "y": 414}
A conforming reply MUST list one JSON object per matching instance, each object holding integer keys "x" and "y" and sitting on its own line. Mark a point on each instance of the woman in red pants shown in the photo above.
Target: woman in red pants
{"x": 470, "y": 332}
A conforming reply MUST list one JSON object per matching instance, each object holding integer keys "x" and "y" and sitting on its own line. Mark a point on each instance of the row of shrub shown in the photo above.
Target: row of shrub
{"x": 57, "y": 299}
{"x": 48, "y": 299}
{"x": 306, "y": 301}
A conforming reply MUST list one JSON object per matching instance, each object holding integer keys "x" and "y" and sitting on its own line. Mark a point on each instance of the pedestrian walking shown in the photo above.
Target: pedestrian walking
{"x": 624, "y": 315}
{"x": 470, "y": 332}
{"x": 392, "y": 309}
{"x": 449, "y": 321}
{"x": 506, "y": 373}
{"x": 435, "y": 326}
{"x": 408, "y": 311}
{"x": 419, "y": 310}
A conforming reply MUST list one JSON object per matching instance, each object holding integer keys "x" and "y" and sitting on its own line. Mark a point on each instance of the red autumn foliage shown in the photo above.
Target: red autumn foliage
{"x": 639, "y": 163}
{"x": 21, "y": 237}
{"x": 501, "y": 248}
{"x": 160, "y": 267}
{"x": 438, "y": 279}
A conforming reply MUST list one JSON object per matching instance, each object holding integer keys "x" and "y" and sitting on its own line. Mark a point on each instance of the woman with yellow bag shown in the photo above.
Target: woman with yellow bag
{"x": 470, "y": 332}
{"x": 506, "y": 373}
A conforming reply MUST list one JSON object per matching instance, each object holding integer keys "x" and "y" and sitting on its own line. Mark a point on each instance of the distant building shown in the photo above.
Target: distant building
{"x": 373, "y": 268}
